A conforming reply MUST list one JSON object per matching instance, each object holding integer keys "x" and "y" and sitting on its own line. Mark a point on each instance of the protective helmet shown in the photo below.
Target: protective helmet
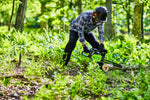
{"x": 102, "y": 13}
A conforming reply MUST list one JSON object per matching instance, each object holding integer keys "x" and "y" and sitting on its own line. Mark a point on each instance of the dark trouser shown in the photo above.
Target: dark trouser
{"x": 73, "y": 37}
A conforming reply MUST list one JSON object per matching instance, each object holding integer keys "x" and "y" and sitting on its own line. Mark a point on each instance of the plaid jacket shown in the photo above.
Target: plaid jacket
{"x": 83, "y": 24}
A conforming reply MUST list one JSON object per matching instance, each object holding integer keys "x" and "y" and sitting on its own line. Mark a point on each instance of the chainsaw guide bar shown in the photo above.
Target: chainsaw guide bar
{"x": 107, "y": 64}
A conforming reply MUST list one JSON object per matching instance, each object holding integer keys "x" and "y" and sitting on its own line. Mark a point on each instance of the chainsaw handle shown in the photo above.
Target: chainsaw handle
{"x": 83, "y": 53}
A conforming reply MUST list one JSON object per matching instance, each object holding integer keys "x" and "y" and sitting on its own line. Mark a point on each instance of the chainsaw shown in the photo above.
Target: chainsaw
{"x": 104, "y": 63}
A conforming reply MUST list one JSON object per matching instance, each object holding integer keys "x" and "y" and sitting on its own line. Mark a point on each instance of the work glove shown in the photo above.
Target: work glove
{"x": 86, "y": 49}
{"x": 101, "y": 47}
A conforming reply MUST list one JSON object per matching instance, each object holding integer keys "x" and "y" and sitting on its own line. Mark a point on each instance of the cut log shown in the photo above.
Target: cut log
{"x": 107, "y": 67}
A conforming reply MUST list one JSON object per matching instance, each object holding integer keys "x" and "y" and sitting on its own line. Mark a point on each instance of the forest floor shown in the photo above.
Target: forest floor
{"x": 30, "y": 68}
{"x": 16, "y": 85}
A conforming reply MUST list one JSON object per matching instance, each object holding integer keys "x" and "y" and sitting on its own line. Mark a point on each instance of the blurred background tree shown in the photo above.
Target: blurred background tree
{"x": 56, "y": 15}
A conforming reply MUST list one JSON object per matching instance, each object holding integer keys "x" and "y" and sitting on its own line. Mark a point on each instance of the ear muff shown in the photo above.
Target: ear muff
{"x": 95, "y": 14}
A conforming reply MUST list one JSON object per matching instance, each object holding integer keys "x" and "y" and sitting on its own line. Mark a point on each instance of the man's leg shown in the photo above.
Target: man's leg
{"x": 73, "y": 37}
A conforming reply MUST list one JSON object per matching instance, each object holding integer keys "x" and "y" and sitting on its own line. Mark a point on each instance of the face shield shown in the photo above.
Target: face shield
{"x": 102, "y": 18}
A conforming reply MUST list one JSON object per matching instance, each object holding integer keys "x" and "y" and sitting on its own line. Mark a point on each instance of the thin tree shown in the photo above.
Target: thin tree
{"x": 126, "y": 7}
{"x": 12, "y": 13}
{"x": 142, "y": 20}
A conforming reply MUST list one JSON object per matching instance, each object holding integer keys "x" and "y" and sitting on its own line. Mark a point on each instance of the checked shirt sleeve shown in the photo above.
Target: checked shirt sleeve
{"x": 101, "y": 32}
{"x": 81, "y": 29}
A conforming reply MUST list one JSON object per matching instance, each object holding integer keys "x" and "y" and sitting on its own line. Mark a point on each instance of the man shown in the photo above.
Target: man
{"x": 82, "y": 28}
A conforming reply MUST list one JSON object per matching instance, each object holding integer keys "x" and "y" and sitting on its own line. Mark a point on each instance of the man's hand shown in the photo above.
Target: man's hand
{"x": 85, "y": 48}
{"x": 103, "y": 50}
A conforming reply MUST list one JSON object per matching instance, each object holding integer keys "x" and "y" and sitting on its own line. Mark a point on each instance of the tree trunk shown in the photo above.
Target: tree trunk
{"x": 108, "y": 24}
{"x": 20, "y": 18}
{"x": 79, "y": 3}
{"x": 44, "y": 24}
{"x": 142, "y": 20}
{"x": 128, "y": 22}
{"x": 137, "y": 20}
{"x": 70, "y": 4}
{"x": 128, "y": 18}
{"x": 12, "y": 13}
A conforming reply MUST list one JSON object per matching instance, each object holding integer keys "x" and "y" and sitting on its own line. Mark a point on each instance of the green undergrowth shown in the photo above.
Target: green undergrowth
{"x": 41, "y": 53}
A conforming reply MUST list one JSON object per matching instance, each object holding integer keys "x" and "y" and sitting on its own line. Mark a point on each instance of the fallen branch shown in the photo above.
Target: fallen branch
{"x": 14, "y": 76}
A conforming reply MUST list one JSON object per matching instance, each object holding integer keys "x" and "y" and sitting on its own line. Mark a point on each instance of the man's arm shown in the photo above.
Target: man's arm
{"x": 101, "y": 33}
{"x": 81, "y": 24}
{"x": 81, "y": 31}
